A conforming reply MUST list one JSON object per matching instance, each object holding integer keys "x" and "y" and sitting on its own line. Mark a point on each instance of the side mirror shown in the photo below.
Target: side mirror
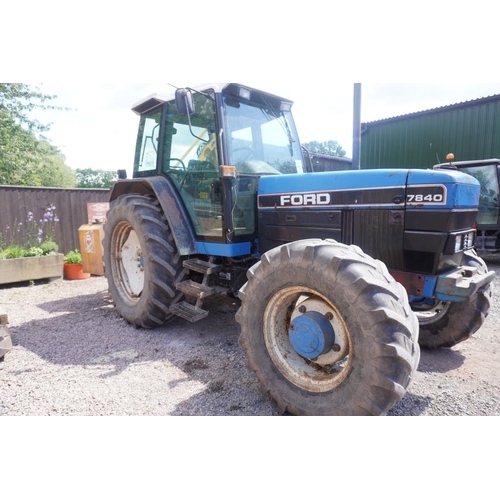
{"x": 122, "y": 174}
{"x": 184, "y": 102}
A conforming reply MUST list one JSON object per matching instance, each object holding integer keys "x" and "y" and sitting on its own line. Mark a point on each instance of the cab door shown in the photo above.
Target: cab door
{"x": 191, "y": 160}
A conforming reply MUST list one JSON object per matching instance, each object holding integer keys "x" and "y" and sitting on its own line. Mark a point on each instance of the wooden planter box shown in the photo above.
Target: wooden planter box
{"x": 31, "y": 268}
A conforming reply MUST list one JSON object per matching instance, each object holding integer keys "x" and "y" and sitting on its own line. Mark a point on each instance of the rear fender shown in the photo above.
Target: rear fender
{"x": 171, "y": 204}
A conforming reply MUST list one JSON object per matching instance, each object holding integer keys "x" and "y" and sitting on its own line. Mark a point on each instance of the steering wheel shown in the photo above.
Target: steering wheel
{"x": 249, "y": 155}
{"x": 177, "y": 173}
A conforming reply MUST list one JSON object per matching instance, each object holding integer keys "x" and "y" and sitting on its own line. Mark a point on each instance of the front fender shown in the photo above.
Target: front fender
{"x": 171, "y": 204}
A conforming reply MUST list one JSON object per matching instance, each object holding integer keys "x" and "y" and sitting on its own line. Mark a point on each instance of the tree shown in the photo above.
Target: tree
{"x": 331, "y": 148}
{"x": 54, "y": 172}
{"x": 17, "y": 100}
{"x": 26, "y": 157}
{"x": 95, "y": 179}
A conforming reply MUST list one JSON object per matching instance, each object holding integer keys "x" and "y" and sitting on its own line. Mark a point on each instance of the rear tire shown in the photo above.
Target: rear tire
{"x": 141, "y": 261}
{"x": 375, "y": 353}
{"x": 449, "y": 323}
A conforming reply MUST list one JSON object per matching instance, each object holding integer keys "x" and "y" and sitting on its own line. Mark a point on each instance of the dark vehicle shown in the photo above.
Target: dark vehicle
{"x": 5, "y": 339}
{"x": 487, "y": 172}
{"x": 317, "y": 162}
{"x": 335, "y": 270}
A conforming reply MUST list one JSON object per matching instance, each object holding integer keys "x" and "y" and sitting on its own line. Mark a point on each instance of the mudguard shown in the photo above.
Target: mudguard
{"x": 171, "y": 203}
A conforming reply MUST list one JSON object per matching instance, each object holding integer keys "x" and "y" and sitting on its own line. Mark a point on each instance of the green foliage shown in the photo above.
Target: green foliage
{"x": 53, "y": 171}
{"x": 18, "y": 252}
{"x": 33, "y": 252}
{"x": 17, "y": 100}
{"x": 330, "y": 148}
{"x": 12, "y": 252}
{"x": 95, "y": 179}
{"x": 49, "y": 247}
{"x": 26, "y": 157}
{"x": 73, "y": 257}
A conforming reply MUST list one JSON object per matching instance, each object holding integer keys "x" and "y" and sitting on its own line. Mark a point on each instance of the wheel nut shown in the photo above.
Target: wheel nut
{"x": 329, "y": 316}
{"x": 302, "y": 309}
{"x": 336, "y": 348}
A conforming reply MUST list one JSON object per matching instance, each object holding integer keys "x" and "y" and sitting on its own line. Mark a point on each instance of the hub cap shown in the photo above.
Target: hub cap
{"x": 312, "y": 335}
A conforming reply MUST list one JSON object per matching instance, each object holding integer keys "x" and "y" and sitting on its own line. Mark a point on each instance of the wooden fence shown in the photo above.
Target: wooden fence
{"x": 17, "y": 203}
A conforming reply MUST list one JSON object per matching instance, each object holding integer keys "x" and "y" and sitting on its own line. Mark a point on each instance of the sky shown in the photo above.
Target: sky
{"x": 98, "y": 129}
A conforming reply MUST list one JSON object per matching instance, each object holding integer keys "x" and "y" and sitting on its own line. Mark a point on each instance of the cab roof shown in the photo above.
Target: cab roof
{"x": 154, "y": 100}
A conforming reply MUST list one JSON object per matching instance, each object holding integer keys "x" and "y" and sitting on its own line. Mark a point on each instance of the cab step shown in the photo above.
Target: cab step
{"x": 198, "y": 291}
{"x": 193, "y": 289}
{"x": 188, "y": 312}
{"x": 202, "y": 266}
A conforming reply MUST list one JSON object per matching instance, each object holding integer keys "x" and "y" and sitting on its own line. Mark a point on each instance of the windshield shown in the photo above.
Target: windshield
{"x": 489, "y": 201}
{"x": 262, "y": 140}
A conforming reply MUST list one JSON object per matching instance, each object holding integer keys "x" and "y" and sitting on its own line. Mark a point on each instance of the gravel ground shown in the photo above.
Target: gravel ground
{"x": 73, "y": 355}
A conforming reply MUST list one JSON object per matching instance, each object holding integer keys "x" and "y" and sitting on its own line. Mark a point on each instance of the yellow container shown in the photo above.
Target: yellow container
{"x": 91, "y": 236}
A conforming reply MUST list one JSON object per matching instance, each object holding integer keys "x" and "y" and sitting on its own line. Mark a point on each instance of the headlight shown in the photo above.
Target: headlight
{"x": 464, "y": 241}
{"x": 469, "y": 240}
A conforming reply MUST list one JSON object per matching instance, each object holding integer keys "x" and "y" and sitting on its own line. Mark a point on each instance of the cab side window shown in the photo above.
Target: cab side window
{"x": 147, "y": 144}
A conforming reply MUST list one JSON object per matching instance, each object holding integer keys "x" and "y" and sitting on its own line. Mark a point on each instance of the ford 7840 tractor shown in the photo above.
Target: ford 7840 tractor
{"x": 337, "y": 272}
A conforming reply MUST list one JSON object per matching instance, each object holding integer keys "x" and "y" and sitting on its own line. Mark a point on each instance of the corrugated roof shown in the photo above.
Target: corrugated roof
{"x": 464, "y": 104}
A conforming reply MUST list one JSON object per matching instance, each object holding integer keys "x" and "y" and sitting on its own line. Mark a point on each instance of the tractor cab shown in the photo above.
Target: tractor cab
{"x": 214, "y": 142}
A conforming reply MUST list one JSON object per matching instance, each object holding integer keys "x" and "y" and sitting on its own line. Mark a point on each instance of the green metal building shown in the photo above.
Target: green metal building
{"x": 470, "y": 130}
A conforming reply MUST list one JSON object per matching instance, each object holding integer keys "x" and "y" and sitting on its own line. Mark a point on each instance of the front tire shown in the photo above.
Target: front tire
{"x": 446, "y": 324}
{"x": 365, "y": 368}
{"x": 141, "y": 261}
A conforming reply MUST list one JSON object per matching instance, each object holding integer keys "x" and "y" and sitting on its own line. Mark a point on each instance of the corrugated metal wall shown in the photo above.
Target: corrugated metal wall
{"x": 71, "y": 209}
{"x": 471, "y": 131}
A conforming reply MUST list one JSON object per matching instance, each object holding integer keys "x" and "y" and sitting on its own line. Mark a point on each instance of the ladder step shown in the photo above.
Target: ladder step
{"x": 202, "y": 266}
{"x": 193, "y": 289}
{"x": 188, "y": 311}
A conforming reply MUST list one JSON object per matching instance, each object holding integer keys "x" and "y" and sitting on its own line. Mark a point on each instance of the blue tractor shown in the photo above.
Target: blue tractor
{"x": 342, "y": 276}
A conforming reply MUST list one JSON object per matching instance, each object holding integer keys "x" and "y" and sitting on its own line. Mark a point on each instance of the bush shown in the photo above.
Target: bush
{"x": 49, "y": 247}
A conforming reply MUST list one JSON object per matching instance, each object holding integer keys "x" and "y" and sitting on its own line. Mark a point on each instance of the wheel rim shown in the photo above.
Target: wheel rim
{"x": 323, "y": 373}
{"x": 430, "y": 314}
{"x": 128, "y": 266}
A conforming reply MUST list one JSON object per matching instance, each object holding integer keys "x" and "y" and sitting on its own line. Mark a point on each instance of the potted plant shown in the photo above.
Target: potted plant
{"x": 73, "y": 266}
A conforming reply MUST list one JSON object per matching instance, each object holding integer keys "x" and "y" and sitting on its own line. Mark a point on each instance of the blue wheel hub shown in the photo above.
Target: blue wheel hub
{"x": 312, "y": 335}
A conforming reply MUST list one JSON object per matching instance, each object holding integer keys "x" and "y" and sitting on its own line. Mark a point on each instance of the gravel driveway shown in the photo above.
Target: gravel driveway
{"x": 73, "y": 355}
